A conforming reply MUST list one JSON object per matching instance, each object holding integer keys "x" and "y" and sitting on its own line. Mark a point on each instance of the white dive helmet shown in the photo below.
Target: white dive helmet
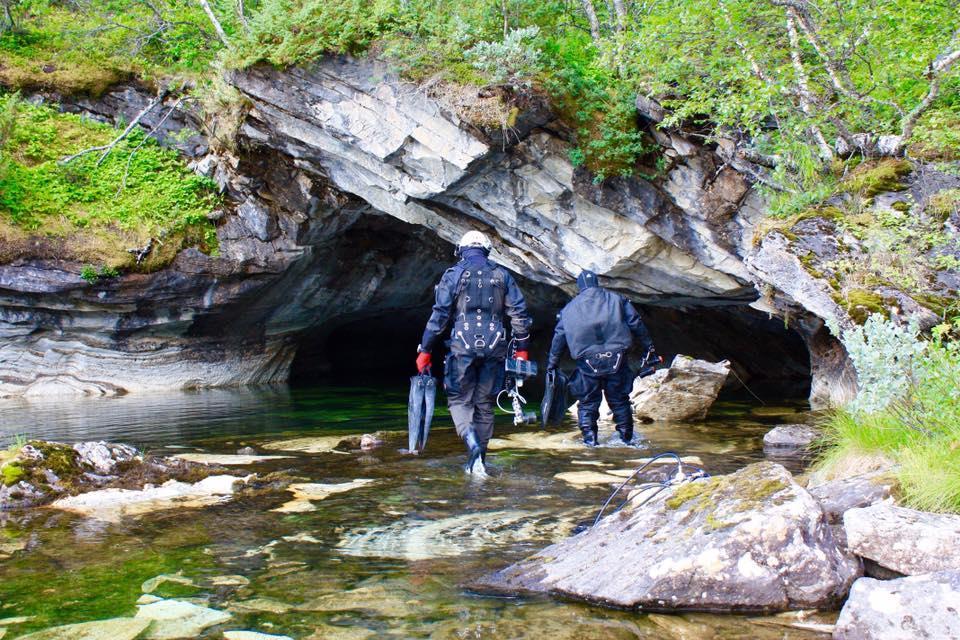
{"x": 474, "y": 239}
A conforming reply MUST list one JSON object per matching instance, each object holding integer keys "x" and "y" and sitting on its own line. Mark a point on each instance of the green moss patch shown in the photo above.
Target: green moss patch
{"x": 12, "y": 474}
{"x": 877, "y": 176}
{"x": 92, "y": 211}
{"x": 861, "y": 303}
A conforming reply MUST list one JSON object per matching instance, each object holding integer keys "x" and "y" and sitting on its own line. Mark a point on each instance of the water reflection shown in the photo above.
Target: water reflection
{"x": 386, "y": 559}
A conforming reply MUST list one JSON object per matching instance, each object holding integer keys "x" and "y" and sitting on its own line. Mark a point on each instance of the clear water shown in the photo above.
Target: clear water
{"x": 390, "y": 559}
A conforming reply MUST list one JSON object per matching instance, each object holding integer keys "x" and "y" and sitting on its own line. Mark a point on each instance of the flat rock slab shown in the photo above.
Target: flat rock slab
{"x": 310, "y": 444}
{"x": 226, "y": 459}
{"x": 924, "y": 606}
{"x": 839, "y": 496}
{"x": 173, "y": 619}
{"x": 304, "y": 493}
{"x": 750, "y": 541}
{"x": 113, "y": 505}
{"x": 538, "y": 441}
{"x": 790, "y": 438}
{"x": 114, "y": 629}
{"x": 904, "y": 540}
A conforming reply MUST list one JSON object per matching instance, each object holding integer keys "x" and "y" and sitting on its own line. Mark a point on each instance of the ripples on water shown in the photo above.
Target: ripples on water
{"x": 387, "y": 559}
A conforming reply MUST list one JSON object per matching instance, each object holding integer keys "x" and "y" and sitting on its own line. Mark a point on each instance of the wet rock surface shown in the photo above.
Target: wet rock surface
{"x": 922, "y": 606}
{"x": 790, "y": 438}
{"x": 114, "y": 629}
{"x": 904, "y": 540}
{"x": 684, "y": 391}
{"x": 750, "y": 541}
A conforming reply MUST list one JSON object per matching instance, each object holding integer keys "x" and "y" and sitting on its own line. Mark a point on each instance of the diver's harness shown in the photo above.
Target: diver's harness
{"x": 517, "y": 372}
{"x": 647, "y": 491}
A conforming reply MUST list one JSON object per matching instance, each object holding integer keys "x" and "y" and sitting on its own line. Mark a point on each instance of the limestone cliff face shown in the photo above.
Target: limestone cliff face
{"x": 348, "y": 186}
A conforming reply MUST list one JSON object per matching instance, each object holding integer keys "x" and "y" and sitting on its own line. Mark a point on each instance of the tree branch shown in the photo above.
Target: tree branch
{"x": 156, "y": 127}
{"x": 592, "y": 19}
{"x": 216, "y": 23}
{"x": 803, "y": 88}
{"x": 940, "y": 65}
{"x": 107, "y": 148}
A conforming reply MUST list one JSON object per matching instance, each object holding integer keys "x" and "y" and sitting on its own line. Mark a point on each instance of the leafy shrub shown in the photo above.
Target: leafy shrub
{"x": 885, "y": 355}
{"x": 515, "y": 59}
{"x": 291, "y": 32}
{"x": 907, "y": 410}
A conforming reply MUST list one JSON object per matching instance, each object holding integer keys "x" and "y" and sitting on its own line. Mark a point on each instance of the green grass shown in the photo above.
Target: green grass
{"x": 920, "y": 435}
{"x": 94, "y": 213}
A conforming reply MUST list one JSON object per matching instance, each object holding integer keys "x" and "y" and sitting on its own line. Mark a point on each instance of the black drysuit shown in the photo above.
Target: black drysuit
{"x": 598, "y": 327}
{"x": 471, "y": 299}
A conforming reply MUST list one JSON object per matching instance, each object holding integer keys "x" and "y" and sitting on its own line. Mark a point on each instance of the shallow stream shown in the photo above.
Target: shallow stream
{"x": 390, "y": 558}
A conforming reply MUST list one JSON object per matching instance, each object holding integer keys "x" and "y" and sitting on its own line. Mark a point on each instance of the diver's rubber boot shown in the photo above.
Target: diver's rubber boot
{"x": 589, "y": 437}
{"x": 474, "y": 452}
{"x": 626, "y": 434}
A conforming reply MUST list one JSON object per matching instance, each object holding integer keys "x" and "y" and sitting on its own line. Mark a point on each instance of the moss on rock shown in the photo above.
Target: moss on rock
{"x": 877, "y": 176}
{"x": 860, "y": 304}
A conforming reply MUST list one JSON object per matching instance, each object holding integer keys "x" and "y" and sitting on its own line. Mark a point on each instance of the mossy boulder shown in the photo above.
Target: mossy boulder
{"x": 39, "y": 472}
{"x": 877, "y": 176}
{"x": 753, "y": 540}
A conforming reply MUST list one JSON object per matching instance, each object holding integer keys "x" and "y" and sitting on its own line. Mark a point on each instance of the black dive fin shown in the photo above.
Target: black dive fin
{"x": 555, "y": 398}
{"x": 423, "y": 395}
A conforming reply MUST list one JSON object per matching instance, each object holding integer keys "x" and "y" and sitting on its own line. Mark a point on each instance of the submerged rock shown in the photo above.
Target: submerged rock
{"x": 228, "y": 460}
{"x": 173, "y": 619}
{"x": 331, "y": 632}
{"x": 114, "y": 504}
{"x": 750, "y": 541}
{"x": 252, "y": 635}
{"x": 538, "y": 441}
{"x": 305, "y": 492}
{"x": 684, "y": 391}
{"x": 904, "y": 540}
{"x": 114, "y": 629}
{"x": 790, "y": 438}
{"x": 310, "y": 444}
{"x": 454, "y": 536}
{"x": 923, "y": 606}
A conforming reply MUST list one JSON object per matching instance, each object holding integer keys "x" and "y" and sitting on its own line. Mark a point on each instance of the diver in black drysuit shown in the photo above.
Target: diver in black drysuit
{"x": 471, "y": 300}
{"x": 598, "y": 327}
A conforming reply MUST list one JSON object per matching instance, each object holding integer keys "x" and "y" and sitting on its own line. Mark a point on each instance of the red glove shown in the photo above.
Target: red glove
{"x": 423, "y": 361}
{"x": 521, "y": 355}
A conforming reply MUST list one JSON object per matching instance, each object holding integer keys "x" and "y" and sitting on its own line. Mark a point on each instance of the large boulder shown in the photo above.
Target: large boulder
{"x": 750, "y": 541}
{"x": 925, "y": 606}
{"x": 904, "y": 540}
{"x": 684, "y": 391}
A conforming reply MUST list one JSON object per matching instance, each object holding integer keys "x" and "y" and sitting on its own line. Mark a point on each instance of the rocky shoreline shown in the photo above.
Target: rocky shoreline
{"x": 757, "y": 541}
{"x": 754, "y": 541}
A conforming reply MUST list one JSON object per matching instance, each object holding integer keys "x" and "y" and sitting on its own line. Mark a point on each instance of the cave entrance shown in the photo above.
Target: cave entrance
{"x": 374, "y": 350}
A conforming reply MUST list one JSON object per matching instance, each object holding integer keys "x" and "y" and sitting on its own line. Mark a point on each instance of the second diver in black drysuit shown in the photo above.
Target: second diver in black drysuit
{"x": 472, "y": 299}
{"x": 598, "y": 327}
